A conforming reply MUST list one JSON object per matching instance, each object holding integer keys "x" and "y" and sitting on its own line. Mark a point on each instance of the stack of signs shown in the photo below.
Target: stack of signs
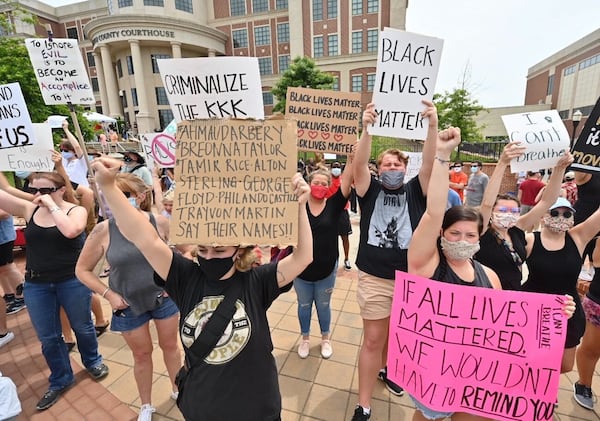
{"x": 586, "y": 151}
{"x": 15, "y": 123}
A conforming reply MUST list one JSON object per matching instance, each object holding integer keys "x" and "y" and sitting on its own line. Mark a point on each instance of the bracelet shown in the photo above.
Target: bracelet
{"x": 105, "y": 291}
{"x": 54, "y": 209}
{"x": 443, "y": 161}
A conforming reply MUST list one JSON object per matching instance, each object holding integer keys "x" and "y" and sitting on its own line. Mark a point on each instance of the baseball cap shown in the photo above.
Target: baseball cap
{"x": 561, "y": 202}
{"x": 570, "y": 175}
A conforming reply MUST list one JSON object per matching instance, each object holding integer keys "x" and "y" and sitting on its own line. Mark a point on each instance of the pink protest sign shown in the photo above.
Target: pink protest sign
{"x": 487, "y": 352}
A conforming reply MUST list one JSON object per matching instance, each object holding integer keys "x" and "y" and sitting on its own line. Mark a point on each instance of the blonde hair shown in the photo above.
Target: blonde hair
{"x": 134, "y": 184}
{"x": 246, "y": 259}
{"x": 168, "y": 196}
{"x": 320, "y": 171}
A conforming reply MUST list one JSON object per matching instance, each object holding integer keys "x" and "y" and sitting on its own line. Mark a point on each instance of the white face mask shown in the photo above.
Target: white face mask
{"x": 459, "y": 250}
{"x": 336, "y": 172}
{"x": 504, "y": 220}
{"x": 457, "y": 169}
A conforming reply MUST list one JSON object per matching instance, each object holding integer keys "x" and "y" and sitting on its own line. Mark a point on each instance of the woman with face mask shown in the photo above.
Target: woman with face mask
{"x": 134, "y": 297}
{"x": 316, "y": 282}
{"x": 503, "y": 241}
{"x": 237, "y": 379}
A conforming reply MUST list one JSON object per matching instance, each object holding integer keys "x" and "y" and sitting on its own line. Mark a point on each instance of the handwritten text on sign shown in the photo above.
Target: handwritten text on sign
{"x": 159, "y": 149}
{"x": 542, "y": 133}
{"x": 234, "y": 183}
{"x": 60, "y": 71}
{"x": 327, "y": 120}
{"x": 407, "y": 67}
{"x": 586, "y": 151}
{"x": 33, "y": 157}
{"x": 213, "y": 87}
{"x": 477, "y": 350}
{"x": 15, "y": 124}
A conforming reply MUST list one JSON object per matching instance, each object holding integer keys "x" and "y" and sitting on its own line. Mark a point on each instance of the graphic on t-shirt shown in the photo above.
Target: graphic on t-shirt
{"x": 234, "y": 339}
{"x": 389, "y": 226}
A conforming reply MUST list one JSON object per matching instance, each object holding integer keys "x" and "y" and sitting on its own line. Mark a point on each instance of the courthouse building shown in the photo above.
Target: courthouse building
{"x": 121, "y": 40}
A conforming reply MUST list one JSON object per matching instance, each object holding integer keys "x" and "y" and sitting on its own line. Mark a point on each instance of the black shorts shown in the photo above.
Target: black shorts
{"x": 6, "y": 253}
{"x": 344, "y": 227}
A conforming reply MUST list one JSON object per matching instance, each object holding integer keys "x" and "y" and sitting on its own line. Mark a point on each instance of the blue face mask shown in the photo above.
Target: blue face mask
{"x": 132, "y": 202}
{"x": 67, "y": 155}
{"x": 392, "y": 180}
{"x": 474, "y": 169}
{"x": 23, "y": 174}
{"x": 336, "y": 172}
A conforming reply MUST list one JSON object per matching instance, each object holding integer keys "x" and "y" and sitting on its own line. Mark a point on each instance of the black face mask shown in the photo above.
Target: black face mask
{"x": 215, "y": 268}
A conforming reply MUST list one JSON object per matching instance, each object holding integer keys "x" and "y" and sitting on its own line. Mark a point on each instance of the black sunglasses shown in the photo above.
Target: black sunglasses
{"x": 127, "y": 194}
{"x": 566, "y": 214}
{"x": 41, "y": 190}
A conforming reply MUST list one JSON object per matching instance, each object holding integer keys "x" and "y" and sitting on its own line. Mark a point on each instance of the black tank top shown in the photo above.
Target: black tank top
{"x": 588, "y": 199}
{"x": 444, "y": 273}
{"x": 498, "y": 256}
{"x": 594, "y": 291}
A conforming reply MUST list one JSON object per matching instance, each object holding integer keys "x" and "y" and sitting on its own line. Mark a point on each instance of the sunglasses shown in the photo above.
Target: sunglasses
{"x": 127, "y": 194}
{"x": 41, "y": 190}
{"x": 566, "y": 214}
{"x": 65, "y": 150}
{"x": 505, "y": 209}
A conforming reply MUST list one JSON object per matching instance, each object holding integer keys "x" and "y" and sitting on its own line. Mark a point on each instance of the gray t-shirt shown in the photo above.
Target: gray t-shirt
{"x": 475, "y": 188}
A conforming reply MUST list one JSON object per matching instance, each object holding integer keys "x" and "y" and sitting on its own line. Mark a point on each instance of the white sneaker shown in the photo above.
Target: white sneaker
{"x": 304, "y": 349}
{"x": 326, "y": 349}
{"x": 6, "y": 338}
{"x": 146, "y": 412}
{"x": 174, "y": 395}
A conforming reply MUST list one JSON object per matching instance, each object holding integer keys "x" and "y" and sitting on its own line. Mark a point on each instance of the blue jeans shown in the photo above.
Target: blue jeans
{"x": 318, "y": 292}
{"x": 43, "y": 302}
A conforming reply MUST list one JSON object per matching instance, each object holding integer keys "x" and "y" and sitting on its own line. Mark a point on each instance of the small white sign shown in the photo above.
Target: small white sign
{"x": 15, "y": 124}
{"x": 542, "y": 133}
{"x": 60, "y": 71}
{"x": 415, "y": 161}
{"x": 36, "y": 157}
{"x": 407, "y": 68}
{"x": 213, "y": 87}
{"x": 56, "y": 121}
{"x": 159, "y": 149}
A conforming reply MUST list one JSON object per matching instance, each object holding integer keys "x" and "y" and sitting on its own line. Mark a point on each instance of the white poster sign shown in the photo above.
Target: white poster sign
{"x": 15, "y": 124}
{"x": 213, "y": 87}
{"x": 159, "y": 149}
{"x": 60, "y": 71}
{"x": 415, "y": 161}
{"x": 542, "y": 133}
{"x": 407, "y": 68}
{"x": 34, "y": 157}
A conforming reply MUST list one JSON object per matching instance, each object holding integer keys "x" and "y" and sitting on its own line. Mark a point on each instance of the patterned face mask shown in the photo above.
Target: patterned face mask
{"x": 459, "y": 250}
{"x": 558, "y": 223}
{"x": 504, "y": 220}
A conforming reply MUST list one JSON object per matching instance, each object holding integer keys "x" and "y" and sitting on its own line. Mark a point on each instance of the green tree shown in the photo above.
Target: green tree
{"x": 459, "y": 109}
{"x": 303, "y": 72}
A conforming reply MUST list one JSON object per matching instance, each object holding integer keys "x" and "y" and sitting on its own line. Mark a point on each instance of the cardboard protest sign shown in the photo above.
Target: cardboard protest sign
{"x": 32, "y": 157}
{"x": 542, "y": 133}
{"x": 15, "y": 124}
{"x": 159, "y": 149}
{"x": 487, "y": 352}
{"x": 327, "y": 120}
{"x": 586, "y": 151}
{"x": 233, "y": 183}
{"x": 60, "y": 71}
{"x": 213, "y": 87}
{"x": 407, "y": 68}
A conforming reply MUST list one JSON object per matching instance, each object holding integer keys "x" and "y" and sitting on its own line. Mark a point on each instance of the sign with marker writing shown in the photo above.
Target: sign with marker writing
{"x": 407, "y": 68}
{"x": 213, "y": 87}
{"x": 586, "y": 151}
{"x": 415, "y": 161}
{"x": 159, "y": 149}
{"x": 60, "y": 71}
{"x": 542, "y": 133}
{"x": 327, "y": 120}
{"x": 234, "y": 183}
{"x": 478, "y": 350}
{"x": 15, "y": 124}
{"x": 35, "y": 157}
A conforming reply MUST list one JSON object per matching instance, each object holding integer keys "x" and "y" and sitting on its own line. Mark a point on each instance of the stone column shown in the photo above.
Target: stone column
{"x": 101, "y": 80}
{"x": 175, "y": 49}
{"x": 145, "y": 121}
{"x": 112, "y": 90}
{"x": 212, "y": 52}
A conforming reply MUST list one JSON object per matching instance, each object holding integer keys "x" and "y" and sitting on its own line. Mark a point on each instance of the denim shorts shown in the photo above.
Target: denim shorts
{"x": 127, "y": 320}
{"x": 428, "y": 413}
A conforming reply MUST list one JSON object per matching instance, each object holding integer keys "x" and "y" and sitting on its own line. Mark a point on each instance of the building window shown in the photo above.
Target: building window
{"x": 332, "y": 44}
{"x": 125, "y": 3}
{"x": 265, "y": 65}
{"x": 589, "y": 62}
{"x": 570, "y": 70}
{"x": 318, "y": 46}
{"x": 284, "y": 63}
{"x": 332, "y": 10}
{"x": 262, "y": 35}
{"x": 283, "y": 32}
{"x": 317, "y": 9}
{"x": 184, "y": 5}
{"x": 159, "y": 3}
{"x": 240, "y": 38}
{"x": 357, "y": 7}
{"x": 550, "y": 85}
{"x": 281, "y": 4}
{"x": 267, "y": 98}
{"x": 95, "y": 86}
{"x": 161, "y": 96}
{"x": 90, "y": 59}
{"x": 238, "y": 7}
{"x": 134, "y": 98}
{"x": 336, "y": 83}
{"x": 119, "y": 69}
{"x": 72, "y": 33}
{"x": 164, "y": 118}
{"x": 372, "y": 6}
{"x": 123, "y": 98}
{"x": 370, "y": 82}
{"x": 356, "y": 83}
{"x": 154, "y": 57}
{"x": 130, "y": 69}
{"x": 259, "y": 6}
{"x": 372, "y": 35}
{"x": 357, "y": 42}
